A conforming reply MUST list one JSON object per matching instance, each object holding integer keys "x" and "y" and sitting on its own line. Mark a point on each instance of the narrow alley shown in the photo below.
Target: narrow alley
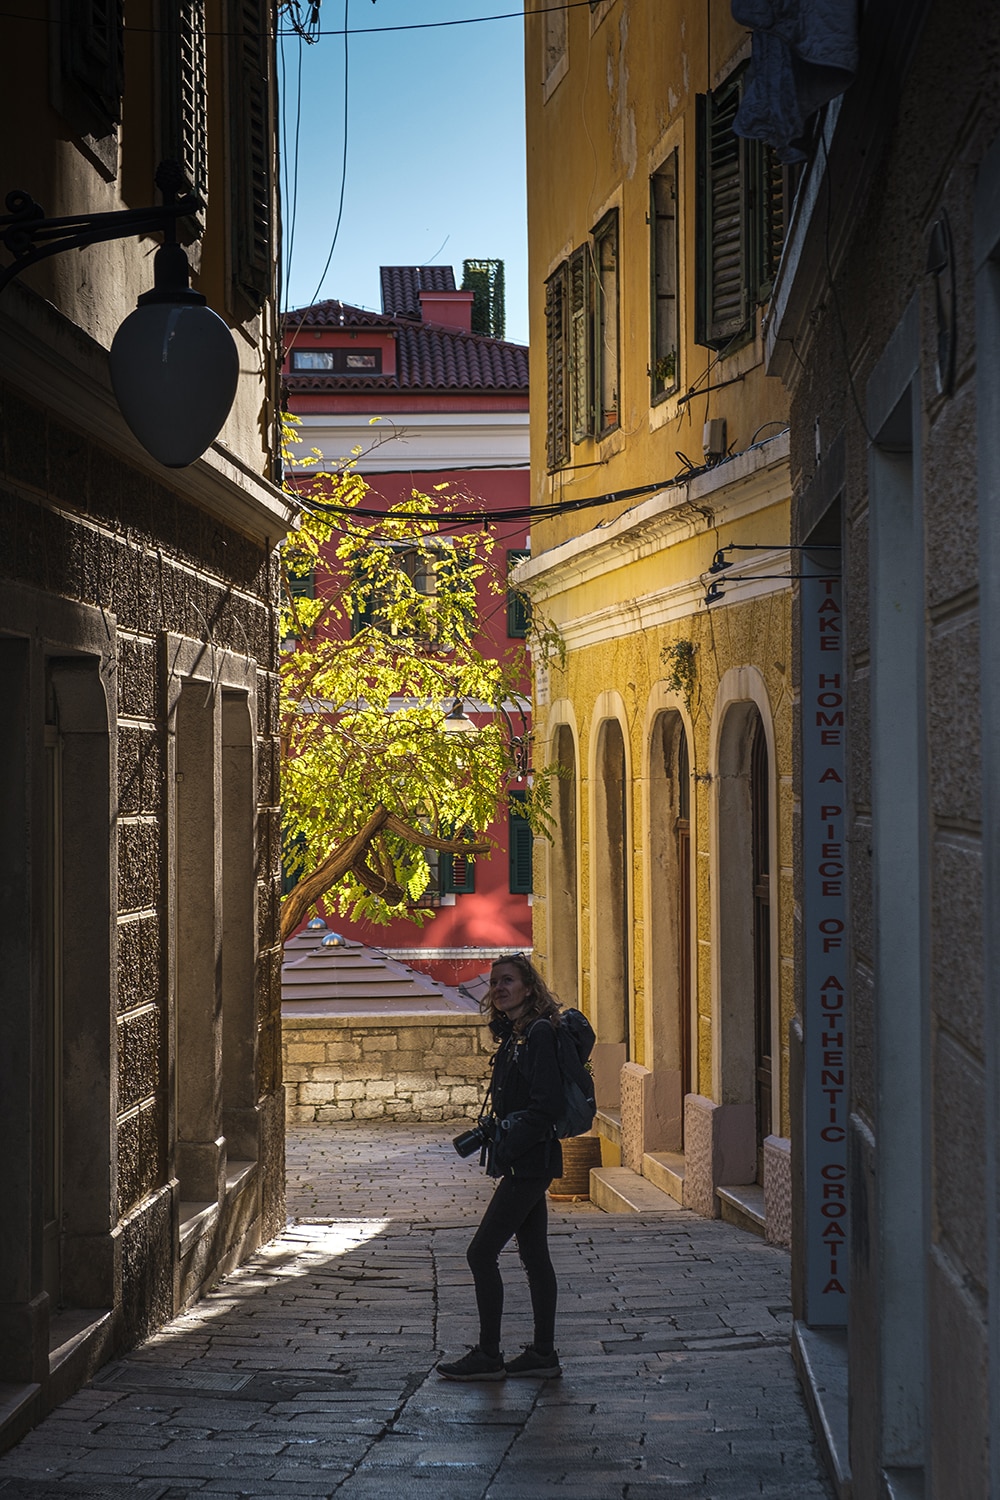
{"x": 310, "y": 1371}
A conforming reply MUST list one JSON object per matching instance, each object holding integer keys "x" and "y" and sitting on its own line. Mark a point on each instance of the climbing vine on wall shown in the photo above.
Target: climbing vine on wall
{"x": 682, "y": 673}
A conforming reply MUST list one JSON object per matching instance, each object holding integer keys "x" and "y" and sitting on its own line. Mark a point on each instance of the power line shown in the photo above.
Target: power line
{"x": 507, "y": 15}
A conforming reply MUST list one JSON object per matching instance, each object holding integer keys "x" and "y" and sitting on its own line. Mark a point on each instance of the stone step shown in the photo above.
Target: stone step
{"x": 665, "y": 1170}
{"x": 743, "y": 1206}
{"x": 619, "y": 1190}
{"x": 608, "y": 1123}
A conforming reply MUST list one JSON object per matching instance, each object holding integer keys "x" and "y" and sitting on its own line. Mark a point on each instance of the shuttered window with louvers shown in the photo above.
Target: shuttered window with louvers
{"x": 723, "y": 193}
{"x": 768, "y": 215}
{"x": 519, "y": 850}
{"x": 184, "y": 136}
{"x": 250, "y": 137}
{"x": 557, "y": 430}
{"x": 741, "y": 211}
{"x": 581, "y": 373}
{"x": 91, "y": 64}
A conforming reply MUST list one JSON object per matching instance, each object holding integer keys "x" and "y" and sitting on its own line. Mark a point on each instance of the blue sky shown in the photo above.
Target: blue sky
{"x": 435, "y": 149}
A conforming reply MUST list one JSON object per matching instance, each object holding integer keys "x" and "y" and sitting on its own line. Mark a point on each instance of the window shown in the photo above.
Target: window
{"x": 420, "y": 564}
{"x": 92, "y": 68}
{"x": 184, "y": 126}
{"x": 606, "y": 322}
{"x": 518, "y": 606}
{"x": 519, "y": 848}
{"x": 554, "y": 55}
{"x": 457, "y": 873}
{"x": 581, "y": 320}
{"x": 740, "y": 220}
{"x": 557, "y": 434}
{"x": 580, "y": 315}
{"x": 250, "y": 150}
{"x": 339, "y": 361}
{"x": 664, "y": 363}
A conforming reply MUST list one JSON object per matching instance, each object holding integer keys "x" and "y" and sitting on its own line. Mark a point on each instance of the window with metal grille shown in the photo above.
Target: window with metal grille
{"x": 557, "y": 431}
{"x": 250, "y": 151}
{"x": 664, "y": 362}
{"x": 519, "y": 848}
{"x": 518, "y": 606}
{"x": 606, "y": 368}
{"x": 740, "y": 220}
{"x": 184, "y": 124}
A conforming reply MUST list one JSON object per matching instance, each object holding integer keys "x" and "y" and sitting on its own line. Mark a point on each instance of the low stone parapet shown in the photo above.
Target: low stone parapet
{"x": 419, "y": 1067}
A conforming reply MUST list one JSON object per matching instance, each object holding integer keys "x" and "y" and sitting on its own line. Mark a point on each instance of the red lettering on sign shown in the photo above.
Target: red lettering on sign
{"x": 833, "y": 681}
{"x": 830, "y": 775}
{"x": 834, "y": 1171}
{"x": 833, "y": 1285}
{"x": 832, "y": 1133}
{"x": 830, "y": 700}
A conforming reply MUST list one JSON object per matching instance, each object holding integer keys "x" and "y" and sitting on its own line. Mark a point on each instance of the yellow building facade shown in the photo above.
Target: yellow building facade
{"x": 664, "y": 900}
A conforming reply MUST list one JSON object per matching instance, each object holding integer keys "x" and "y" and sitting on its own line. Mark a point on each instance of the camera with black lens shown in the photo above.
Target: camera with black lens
{"x": 475, "y": 1139}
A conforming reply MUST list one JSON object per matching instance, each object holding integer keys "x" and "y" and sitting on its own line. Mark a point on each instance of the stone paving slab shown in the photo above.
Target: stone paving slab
{"x": 310, "y": 1372}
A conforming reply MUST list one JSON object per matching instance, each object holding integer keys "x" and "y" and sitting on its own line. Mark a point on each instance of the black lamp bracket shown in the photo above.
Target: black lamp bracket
{"x": 30, "y": 237}
{"x": 720, "y": 561}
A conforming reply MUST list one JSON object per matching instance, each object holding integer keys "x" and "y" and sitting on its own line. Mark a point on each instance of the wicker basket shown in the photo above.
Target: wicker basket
{"x": 580, "y": 1153}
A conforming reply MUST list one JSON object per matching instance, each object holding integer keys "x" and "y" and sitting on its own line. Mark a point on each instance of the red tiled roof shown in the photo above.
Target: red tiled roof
{"x": 428, "y": 357}
{"x": 402, "y": 285}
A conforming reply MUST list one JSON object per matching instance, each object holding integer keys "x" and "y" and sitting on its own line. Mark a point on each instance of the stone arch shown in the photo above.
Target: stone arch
{"x": 669, "y": 965}
{"x": 610, "y": 933}
{"x": 563, "y": 882}
{"x": 744, "y": 907}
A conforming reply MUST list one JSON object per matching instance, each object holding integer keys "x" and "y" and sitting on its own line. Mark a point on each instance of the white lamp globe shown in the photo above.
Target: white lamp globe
{"x": 174, "y": 366}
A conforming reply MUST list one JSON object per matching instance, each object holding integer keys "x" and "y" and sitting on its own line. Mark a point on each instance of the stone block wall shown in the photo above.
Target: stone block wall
{"x": 384, "y": 1067}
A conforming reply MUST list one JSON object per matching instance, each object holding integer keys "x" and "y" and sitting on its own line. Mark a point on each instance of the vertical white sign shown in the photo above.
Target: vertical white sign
{"x": 824, "y": 1002}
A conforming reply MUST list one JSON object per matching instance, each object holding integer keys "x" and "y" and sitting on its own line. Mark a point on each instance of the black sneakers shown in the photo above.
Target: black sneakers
{"x": 542, "y": 1366}
{"x": 476, "y": 1365}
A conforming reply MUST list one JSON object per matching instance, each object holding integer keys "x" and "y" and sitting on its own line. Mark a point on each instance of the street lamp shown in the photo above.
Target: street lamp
{"x": 174, "y": 363}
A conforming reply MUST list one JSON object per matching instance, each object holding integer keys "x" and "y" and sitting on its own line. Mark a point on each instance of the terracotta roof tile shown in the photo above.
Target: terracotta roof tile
{"x": 402, "y": 285}
{"x": 428, "y": 357}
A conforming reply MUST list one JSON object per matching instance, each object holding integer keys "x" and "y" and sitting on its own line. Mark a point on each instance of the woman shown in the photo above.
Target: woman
{"x": 527, "y": 1098}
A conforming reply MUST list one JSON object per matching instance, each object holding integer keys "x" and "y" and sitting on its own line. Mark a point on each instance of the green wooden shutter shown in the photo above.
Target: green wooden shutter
{"x": 457, "y": 872}
{"x": 722, "y": 233}
{"x": 518, "y": 607}
{"x": 768, "y": 198}
{"x": 580, "y": 366}
{"x": 557, "y": 433}
{"x": 251, "y": 151}
{"x": 520, "y": 842}
{"x": 302, "y": 585}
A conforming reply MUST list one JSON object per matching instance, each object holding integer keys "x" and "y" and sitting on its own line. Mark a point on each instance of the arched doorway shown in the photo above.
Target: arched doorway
{"x": 760, "y": 817}
{"x": 562, "y": 894}
{"x": 744, "y": 962}
{"x": 610, "y": 933}
{"x": 669, "y": 917}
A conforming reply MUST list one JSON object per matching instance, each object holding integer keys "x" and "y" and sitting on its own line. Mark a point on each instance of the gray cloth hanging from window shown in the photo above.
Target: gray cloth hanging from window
{"x": 805, "y": 52}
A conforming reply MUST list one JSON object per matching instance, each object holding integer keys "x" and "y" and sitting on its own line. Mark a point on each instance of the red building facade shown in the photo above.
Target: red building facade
{"x": 451, "y": 408}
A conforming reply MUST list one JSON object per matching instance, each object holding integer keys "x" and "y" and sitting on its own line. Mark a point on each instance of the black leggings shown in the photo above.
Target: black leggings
{"x": 517, "y": 1209}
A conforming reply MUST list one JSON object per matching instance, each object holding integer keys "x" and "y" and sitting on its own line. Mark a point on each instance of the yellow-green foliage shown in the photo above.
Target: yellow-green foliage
{"x": 363, "y": 710}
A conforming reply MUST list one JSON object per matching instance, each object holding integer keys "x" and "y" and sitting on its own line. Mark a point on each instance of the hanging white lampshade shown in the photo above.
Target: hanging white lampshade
{"x": 174, "y": 367}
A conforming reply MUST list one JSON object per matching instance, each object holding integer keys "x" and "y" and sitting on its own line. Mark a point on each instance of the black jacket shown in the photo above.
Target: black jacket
{"x": 527, "y": 1100}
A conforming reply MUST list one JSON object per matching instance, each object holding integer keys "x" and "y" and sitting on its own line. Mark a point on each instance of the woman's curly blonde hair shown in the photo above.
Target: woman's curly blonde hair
{"x": 541, "y": 1001}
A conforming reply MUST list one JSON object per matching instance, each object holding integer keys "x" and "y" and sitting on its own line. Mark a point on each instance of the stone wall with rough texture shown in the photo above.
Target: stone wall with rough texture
{"x": 385, "y": 1067}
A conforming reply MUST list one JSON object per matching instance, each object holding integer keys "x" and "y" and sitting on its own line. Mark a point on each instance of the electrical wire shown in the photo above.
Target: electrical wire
{"x": 295, "y": 158}
{"x": 343, "y": 180}
{"x": 311, "y": 34}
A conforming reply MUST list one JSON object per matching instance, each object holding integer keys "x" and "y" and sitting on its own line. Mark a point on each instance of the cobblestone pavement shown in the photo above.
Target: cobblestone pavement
{"x": 309, "y": 1372}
